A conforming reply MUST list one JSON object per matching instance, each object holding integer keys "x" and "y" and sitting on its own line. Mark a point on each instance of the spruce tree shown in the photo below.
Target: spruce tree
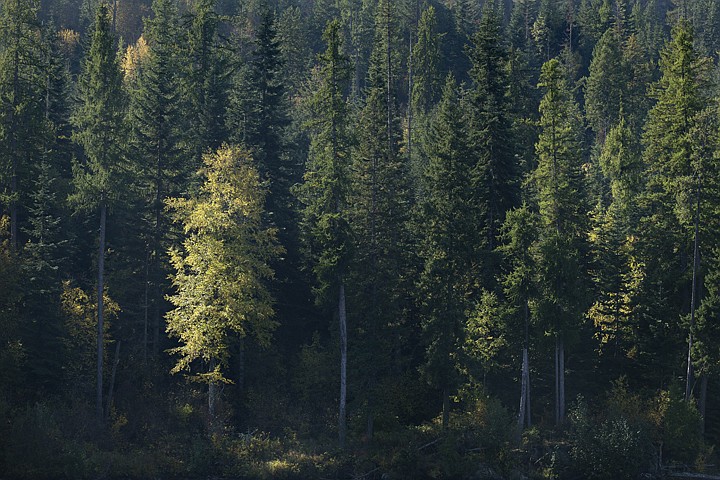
{"x": 99, "y": 130}
{"x": 451, "y": 212}
{"x": 22, "y": 124}
{"x": 675, "y": 155}
{"x": 490, "y": 123}
{"x": 205, "y": 82}
{"x": 380, "y": 196}
{"x": 559, "y": 189}
{"x": 324, "y": 193}
{"x": 606, "y": 84}
{"x": 156, "y": 122}
{"x": 519, "y": 236}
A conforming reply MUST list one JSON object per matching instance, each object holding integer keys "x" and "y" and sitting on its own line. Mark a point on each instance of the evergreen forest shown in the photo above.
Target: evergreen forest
{"x": 359, "y": 239}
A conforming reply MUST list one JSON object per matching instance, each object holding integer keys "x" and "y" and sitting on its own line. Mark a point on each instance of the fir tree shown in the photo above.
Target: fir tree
{"x": 490, "y": 123}
{"x": 450, "y": 248}
{"x": 22, "y": 124}
{"x": 558, "y": 183}
{"x": 156, "y": 121}
{"x": 674, "y": 155}
{"x": 99, "y": 130}
{"x": 325, "y": 190}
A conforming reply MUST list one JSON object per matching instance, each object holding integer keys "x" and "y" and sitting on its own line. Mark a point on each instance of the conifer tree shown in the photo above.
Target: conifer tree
{"x": 44, "y": 266}
{"x": 380, "y": 195}
{"x": 156, "y": 123}
{"x": 558, "y": 184}
{"x": 426, "y": 87}
{"x": 452, "y": 213}
{"x": 606, "y": 84}
{"x": 222, "y": 268}
{"x": 99, "y": 130}
{"x": 205, "y": 82}
{"x": 22, "y": 124}
{"x": 325, "y": 190}
{"x": 490, "y": 124}
{"x": 616, "y": 271}
{"x": 519, "y": 234}
{"x": 675, "y": 157}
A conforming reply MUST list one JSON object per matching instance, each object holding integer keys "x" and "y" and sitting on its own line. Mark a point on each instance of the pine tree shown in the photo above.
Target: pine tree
{"x": 606, "y": 84}
{"x": 380, "y": 196}
{"x": 558, "y": 183}
{"x": 156, "y": 121}
{"x": 325, "y": 190}
{"x": 451, "y": 213}
{"x": 490, "y": 123}
{"x": 99, "y": 130}
{"x": 222, "y": 269}
{"x": 205, "y": 82}
{"x": 616, "y": 271}
{"x": 22, "y": 124}
{"x": 519, "y": 235}
{"x": 675, "y": 156}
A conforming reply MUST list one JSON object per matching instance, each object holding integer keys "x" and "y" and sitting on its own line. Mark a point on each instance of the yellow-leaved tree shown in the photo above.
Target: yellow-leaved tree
{"x": 221, "y": 270}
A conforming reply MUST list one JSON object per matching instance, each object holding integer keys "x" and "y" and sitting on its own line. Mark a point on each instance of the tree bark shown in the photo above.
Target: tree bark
{"x": 557, "y": 380}
{"x": 100, "y": 325}
{"x": 212, "y": 394}
{"x": 523, "y": 391}
{"x": 111, "y": 388}
{"x": 342, "y": 425}
{"x": 446, "y": 408}
{"x": 13, "y": 138}
{"x": 702, "y": 402}
{"x": 562, "y": 380}
{"x": 693, "y": 299}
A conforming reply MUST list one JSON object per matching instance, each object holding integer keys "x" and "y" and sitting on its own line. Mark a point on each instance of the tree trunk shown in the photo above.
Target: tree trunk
{"x": 13, "y": 139}
{"x": 557, "y": 380}
{"x": 446, "y": 408}
{"x": 212, "y": 394}
{"x": 702, "y": 402}
{"x": 100, "y": 327}
{"x": 693, "y": 299}
{"x": 146, "y": 306}
{"x": 342, "y": 426}
{"x": 562, "y": 380}
{"x": 111, "y": 388}
{"x": 523, "y": 391}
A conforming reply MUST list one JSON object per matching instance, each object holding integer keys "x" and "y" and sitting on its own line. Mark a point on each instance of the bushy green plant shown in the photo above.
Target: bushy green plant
{"x": 607, "y": 448}
{"x": 679, "y": 426}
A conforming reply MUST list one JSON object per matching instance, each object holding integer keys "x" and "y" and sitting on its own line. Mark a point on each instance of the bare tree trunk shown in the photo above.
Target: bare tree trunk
{"x": 100, "y": 327}
{"x": 693, "y": 299}
{"x": 342, "y": 425}
{"x": 523, "y": 392}
{"x": 562, "y": 380}
{"x": 557, "y": 380}
{"x": 13, "y": 138}
{"x": 446, "y": 408}
{"x": 146, "y": 306}
{"x": 212, "y": 394}
{"x": 241, "y": 365}
{"x": 702, "y": 403}
{"x": 111, "y": 388}
{"x": 527, "y": 393}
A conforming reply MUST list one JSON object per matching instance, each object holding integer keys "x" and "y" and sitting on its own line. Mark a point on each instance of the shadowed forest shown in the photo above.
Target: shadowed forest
{"x": 359, "y": 239}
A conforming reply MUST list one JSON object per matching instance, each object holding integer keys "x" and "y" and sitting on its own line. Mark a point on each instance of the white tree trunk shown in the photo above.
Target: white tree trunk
{"x": 100, "y": 325}
{"x": 342, "y": 425}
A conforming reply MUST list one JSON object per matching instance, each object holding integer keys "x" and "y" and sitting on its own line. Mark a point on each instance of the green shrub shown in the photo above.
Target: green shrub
{"x": 609, "y": 448}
